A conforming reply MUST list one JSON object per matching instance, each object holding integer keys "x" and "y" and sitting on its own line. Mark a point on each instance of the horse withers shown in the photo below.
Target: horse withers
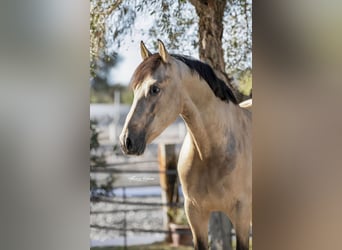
{"x": 215, "y": 162}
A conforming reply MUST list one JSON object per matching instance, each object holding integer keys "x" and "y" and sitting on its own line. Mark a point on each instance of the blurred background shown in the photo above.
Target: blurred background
{"x": 44, "y": 128}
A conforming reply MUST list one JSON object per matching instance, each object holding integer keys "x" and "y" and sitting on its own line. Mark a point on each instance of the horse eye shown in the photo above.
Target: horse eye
{"x": 154, "y": 90}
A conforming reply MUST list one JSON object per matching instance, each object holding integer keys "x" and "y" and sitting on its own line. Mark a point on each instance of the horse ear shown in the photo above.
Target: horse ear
{"x": 163, "y": 52}
{"x": 145, "y": 53}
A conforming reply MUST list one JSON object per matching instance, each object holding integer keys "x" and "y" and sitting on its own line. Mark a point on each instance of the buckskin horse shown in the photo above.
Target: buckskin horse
{"x": 215, "y": 162}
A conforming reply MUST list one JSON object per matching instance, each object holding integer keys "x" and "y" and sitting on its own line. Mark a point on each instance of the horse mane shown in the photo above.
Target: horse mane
{"x": 218, "y": 86}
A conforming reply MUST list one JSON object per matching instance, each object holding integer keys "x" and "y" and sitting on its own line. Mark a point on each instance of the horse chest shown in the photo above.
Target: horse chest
{"x": 206, "y": 183}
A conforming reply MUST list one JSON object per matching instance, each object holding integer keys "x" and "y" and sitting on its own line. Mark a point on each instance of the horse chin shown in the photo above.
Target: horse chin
{"x": 138, "y": 150}
{"x": 141, "y": 149}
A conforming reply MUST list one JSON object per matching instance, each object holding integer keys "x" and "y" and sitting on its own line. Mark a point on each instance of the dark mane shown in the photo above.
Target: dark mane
{"x": 150, "y": 64}
{"x": 220, "y": 89}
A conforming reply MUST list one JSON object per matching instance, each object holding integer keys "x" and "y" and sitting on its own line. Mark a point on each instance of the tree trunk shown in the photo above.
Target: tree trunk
{"x": 210, "y": 29}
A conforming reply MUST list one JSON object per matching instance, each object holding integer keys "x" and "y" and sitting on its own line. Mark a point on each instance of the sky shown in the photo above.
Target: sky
{"x": 130, "y": 60}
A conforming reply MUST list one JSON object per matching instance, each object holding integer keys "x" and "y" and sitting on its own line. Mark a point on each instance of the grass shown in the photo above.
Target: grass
{"x": 154, "y": 246}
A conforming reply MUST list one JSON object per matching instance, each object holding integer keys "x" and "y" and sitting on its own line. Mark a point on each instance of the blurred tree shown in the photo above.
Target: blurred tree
{"x": 210, "y": 32}
{"x": 220, "y": 29}
{"x": 245, "y": 81}
{"x": 101, "y": 91}
{"x": 100, "y": 68}
{"x": 97, "y": 159}
{"x": 100, "y": 11}
{"x": 106, "y": 95}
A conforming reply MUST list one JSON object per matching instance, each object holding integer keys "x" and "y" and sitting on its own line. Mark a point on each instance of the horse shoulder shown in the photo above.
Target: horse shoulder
{"x": 186, "y": 157}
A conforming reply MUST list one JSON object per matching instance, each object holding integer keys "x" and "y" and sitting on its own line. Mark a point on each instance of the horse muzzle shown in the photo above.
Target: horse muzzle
{"x": 132, "y": 144}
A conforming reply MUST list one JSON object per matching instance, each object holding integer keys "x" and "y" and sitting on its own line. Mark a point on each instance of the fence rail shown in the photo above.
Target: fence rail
{"x": 116, "y": 164}
{"x": 167, "y": 172}
{"x": 136, "y": 230}
{"x": 140, "y": 230}
{"x": 123, "y": 210}
{"x": 124, "y": 202}
{"x": 131, "y": 171}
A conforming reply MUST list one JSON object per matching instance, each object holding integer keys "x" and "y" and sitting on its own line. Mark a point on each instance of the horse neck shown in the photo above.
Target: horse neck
{"x": 207, "y": 117}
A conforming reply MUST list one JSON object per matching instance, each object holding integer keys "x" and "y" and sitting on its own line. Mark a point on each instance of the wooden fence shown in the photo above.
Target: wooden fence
{"x": 168, "y": 181}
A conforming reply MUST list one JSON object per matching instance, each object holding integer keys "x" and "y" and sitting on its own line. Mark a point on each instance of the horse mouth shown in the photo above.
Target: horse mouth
{"x": 138, "y": 151}
{"x": 130, "y": 147}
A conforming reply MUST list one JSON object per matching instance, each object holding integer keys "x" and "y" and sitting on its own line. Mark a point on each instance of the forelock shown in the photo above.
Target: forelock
{"x": 146, "y": 68}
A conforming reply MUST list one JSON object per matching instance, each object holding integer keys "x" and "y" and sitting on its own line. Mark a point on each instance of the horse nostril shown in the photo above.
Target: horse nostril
{"x": 129, "y": 144}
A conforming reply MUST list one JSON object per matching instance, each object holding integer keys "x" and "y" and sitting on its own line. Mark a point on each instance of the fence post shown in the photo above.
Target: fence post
{"x": 220, "y": 232}
{"x": 125, "y": 219}
{"x": 167, "y": 161}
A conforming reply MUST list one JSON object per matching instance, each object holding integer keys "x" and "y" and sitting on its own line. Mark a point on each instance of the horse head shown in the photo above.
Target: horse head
{"x": 157, "y": 99}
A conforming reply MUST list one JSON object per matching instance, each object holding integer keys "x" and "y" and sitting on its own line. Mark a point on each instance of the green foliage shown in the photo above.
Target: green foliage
{"x": 173, "y": 20}
{"x": 100, "y": 96}
{"x": 245, "y": 82}
{"x": 176, "y": 23}
{"x": 100, "y": 11}
{"x": 101, "y": 91}
{"x": 97, "y": 159}
{"x": 106, "y": 95}
{"x": 177, "y": 216}
{"x": 100, "y": 68}
{"x": 237, "y": 35}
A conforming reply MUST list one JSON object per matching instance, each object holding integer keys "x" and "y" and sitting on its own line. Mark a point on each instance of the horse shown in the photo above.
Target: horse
{"x": 215, "y": 161}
